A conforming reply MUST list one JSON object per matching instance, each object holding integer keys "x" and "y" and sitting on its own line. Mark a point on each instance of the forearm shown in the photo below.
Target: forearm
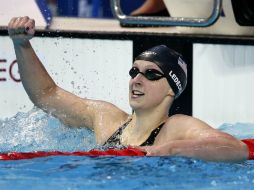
{"x": 34, "y": 76}
{"x": 210, "y": 149}
{"x": 40, "y": 87}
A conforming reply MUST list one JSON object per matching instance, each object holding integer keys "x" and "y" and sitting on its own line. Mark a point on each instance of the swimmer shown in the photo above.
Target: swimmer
{"x": 157, "y": 77}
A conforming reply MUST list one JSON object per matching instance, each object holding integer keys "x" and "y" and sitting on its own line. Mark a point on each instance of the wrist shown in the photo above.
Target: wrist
{"x": 169, "y": 149}
{"x": 21, "y": 42}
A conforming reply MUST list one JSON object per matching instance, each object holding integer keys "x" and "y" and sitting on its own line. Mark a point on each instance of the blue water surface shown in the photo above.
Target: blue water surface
{"x": 37, "y": 131}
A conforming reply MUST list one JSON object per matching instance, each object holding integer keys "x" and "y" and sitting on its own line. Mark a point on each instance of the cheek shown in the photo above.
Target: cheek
{"x": 130, "y": 83}
{"x": 159, "y": 90}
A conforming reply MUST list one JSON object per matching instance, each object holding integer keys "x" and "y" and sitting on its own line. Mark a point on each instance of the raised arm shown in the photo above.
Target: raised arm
{"x": 44, "y": 92}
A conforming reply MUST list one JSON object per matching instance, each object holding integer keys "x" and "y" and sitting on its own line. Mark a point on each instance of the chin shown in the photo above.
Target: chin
{"x": 137, "y": 106}
{"x": 134, "y": 105}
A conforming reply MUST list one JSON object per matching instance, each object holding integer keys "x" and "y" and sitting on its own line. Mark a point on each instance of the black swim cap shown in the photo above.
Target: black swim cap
{"x": 172, "y": 65}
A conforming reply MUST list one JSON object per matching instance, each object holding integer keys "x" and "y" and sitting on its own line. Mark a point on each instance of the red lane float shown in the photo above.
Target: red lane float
{"x": 250, "y": 145}
{"x": 110, "y": 152}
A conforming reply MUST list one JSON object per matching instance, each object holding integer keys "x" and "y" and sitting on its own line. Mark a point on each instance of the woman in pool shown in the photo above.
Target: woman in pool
{"x": 158, "y": 69}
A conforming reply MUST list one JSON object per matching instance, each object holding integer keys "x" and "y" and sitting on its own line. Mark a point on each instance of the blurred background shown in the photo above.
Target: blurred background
{"x": 89, "y": 8}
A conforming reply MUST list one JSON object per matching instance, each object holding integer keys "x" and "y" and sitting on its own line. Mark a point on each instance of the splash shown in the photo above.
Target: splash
{"x": 38, "y": 131}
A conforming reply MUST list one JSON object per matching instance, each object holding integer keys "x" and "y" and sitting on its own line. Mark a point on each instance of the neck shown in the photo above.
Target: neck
{"x": 144, "y": 121}
{"x": 142, "y": 125}
{"x": 147, "y": 122}
{"x": 149, "y": 119}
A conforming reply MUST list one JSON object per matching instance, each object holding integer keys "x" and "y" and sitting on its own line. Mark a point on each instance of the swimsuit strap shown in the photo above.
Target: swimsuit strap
{"x": 115, "y": 138}
{"x": 150, "y": 140}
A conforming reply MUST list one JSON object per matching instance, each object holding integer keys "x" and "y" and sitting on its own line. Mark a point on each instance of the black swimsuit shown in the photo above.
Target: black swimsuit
{"x": 114, "y": 140}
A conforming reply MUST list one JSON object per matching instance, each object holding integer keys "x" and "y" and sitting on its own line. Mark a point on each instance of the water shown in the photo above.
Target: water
{"x": 37, "y": 131}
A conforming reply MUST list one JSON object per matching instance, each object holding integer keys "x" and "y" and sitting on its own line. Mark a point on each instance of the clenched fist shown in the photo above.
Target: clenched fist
{"x": 21, "y": 29}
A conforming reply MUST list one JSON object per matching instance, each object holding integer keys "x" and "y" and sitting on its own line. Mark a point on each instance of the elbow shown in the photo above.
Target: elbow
{"x": 42, "y": 97}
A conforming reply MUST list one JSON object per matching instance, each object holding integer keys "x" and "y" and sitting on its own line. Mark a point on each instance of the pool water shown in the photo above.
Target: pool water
{"x": 36, "y": 131}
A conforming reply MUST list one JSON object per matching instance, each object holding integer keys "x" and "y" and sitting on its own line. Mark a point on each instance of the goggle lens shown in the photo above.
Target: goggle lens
{"x": 150, "y": 74}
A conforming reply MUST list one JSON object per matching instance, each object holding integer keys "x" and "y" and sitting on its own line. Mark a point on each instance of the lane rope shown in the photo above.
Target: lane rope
{"x": 110, "y": 152}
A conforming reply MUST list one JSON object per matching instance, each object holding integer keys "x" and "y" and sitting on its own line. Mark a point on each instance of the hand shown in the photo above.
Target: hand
{"x": 160, "y": 150}
{"x": 21, "y": 29}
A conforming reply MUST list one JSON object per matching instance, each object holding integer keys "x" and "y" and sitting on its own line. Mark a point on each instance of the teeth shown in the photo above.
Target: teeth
{"x": 135, "y": 92}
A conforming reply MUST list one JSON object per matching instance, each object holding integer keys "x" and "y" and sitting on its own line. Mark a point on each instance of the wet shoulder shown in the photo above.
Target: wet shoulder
{"x": 178, "y": 120}
{"x": 107, "y": 119}
{"x": 185, "y": 122}
{"x": 176, "y": 128}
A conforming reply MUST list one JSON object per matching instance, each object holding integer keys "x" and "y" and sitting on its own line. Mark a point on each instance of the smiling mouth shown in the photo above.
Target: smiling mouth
{"x": 136, "y": 93}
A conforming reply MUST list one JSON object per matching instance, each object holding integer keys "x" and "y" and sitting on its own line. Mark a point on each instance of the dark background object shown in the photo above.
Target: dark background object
{"x": 244, "y": 12}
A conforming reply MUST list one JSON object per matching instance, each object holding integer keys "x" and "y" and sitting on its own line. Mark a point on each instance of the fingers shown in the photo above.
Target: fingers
{"x": 11, "y": 24}
{"x": 21, "y": 25}
{"x": 144, "y": 149}
{"x": 141, "y": 148}
{"x": 29, "y": 26}
{"x": 151, "y": 150}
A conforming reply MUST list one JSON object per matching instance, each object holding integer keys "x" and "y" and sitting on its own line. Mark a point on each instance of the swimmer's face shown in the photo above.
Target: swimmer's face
{"x": 145, "y": 93}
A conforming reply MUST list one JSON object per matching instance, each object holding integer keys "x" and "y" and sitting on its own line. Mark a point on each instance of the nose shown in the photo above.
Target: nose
{"x": 138, "y": 78}
{"x": 136, "y": 81}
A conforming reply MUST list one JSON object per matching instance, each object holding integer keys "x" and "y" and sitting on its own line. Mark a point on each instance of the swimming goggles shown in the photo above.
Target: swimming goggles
{"x": 150, "y": 74}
